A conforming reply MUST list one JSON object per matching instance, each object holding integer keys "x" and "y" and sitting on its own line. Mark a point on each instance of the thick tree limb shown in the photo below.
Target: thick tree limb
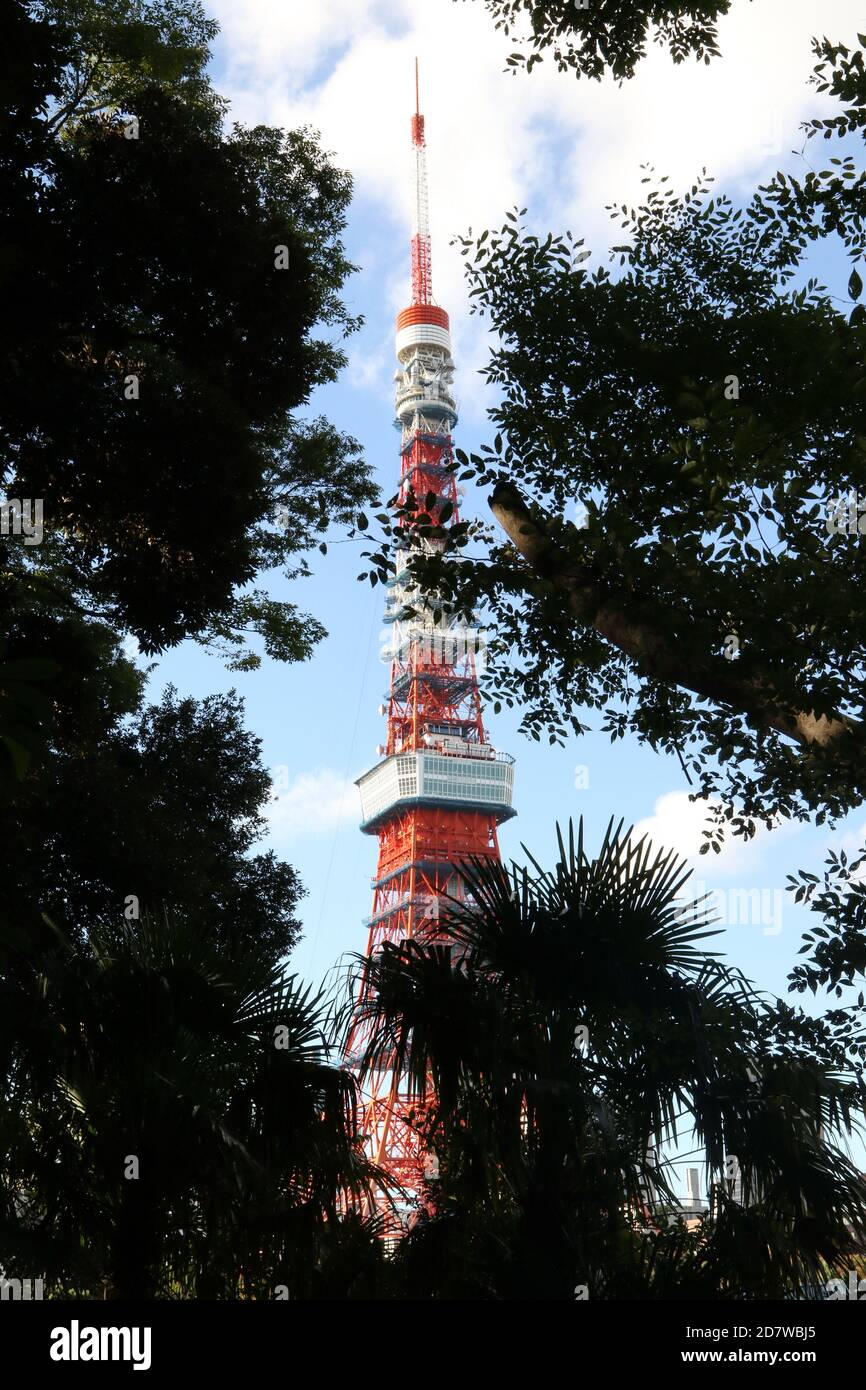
{"x": 628, "y": 625}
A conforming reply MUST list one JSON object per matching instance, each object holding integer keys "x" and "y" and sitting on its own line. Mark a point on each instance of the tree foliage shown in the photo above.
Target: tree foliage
{"x": 600, "y": 36}
{"x": 161, "y": 811}
{"x": 171, "y": 1123}
{"x": 835, "y": 948}
{"x": 558, "y": 1036}
{"x": 171, "y": 297}
{"x": 115, "y": 50}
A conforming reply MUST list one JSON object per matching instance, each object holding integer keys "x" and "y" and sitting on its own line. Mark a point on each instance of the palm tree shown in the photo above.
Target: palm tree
{"x": 173, "y": 1124}
{"x": 560, "y": 1032}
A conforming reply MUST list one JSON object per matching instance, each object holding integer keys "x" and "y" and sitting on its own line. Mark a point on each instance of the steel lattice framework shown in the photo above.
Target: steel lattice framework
{"x": 440, "y": 790}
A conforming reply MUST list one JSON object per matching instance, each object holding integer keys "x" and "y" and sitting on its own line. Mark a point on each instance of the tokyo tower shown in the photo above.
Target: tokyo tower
{"x": 440, "y": 790}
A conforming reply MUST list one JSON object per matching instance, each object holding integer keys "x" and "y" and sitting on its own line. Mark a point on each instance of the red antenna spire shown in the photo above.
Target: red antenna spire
{"x": 422, "y": 275}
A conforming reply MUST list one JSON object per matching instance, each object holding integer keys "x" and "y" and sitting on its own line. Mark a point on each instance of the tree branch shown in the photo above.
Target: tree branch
{"x": 626, "y": 624}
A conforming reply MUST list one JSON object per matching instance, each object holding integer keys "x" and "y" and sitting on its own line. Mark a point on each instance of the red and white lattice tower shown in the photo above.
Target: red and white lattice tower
{"x": 440, "y": 789}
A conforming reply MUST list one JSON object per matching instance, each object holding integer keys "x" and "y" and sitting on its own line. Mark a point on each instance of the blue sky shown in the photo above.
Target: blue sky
{"x": 562, "y": 149}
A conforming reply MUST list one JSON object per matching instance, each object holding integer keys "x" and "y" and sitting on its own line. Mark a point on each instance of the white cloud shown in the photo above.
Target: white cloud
{"x": 561, "y": 147}
{"x": 311, "y": 803}
{"x": 678, "y": 824}
{"x": 854, "y": 840}
{"x": 852, "y": 843}
{"x": 370, "y": 363}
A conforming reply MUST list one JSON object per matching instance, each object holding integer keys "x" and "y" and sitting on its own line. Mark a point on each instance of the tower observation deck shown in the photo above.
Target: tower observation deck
{"x": 439, "y": 790}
